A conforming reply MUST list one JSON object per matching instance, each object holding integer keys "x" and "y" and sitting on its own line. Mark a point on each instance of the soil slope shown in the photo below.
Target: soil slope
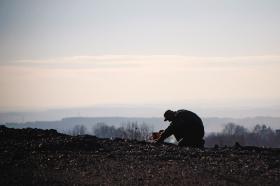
{"x": 45, "y": 157}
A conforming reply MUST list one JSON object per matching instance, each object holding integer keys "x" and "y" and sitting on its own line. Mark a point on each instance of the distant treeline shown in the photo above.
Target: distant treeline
{"x": 130, "y": 130}
{"x": 261, "y": 135}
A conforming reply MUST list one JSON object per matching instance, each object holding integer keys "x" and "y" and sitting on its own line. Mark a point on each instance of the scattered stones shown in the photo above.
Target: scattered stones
{"x": 45, "y": 157}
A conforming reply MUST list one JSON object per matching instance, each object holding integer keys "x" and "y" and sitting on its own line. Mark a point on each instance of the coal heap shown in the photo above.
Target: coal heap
{"x": 46, "y": 157}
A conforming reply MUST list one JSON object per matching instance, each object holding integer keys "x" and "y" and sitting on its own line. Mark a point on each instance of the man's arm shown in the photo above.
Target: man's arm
{"x": 166, "y": 133}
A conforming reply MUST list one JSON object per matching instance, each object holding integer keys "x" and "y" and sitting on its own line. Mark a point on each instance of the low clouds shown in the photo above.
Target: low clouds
{"x": 154, "y": 62}
{"x": 131, "y": 79}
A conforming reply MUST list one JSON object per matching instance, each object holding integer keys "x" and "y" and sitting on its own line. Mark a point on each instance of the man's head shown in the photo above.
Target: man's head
{"x": 169, "y": 115}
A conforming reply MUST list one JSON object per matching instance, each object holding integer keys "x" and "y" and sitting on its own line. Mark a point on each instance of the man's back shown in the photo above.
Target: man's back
{"x": 187, "y": 124}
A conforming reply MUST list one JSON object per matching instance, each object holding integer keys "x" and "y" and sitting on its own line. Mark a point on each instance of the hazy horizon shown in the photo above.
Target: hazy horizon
{"x": 134, "y": 111}
{"x": 197, "y": 55}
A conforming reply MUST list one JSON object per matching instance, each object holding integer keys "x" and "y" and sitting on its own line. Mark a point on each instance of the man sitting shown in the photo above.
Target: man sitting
{"x": 186, "y": 126}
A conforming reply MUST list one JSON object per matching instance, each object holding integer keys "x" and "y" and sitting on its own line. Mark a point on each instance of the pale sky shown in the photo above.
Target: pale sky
{"x": 67, "y": 53}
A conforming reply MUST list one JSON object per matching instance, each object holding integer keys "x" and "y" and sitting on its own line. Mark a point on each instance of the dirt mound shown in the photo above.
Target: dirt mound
{"x": 45, "y": 157}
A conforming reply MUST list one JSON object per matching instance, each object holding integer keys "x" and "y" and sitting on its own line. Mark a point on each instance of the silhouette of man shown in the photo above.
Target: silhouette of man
{"x": 186, "y": 126}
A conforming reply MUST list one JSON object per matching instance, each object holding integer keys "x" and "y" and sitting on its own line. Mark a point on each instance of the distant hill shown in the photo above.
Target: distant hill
{"x": 212, "y": 124}
{"x": 133, "y": 111}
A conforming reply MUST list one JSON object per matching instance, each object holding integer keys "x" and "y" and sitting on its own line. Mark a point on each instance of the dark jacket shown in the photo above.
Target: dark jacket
{"x": 186, "y": 125}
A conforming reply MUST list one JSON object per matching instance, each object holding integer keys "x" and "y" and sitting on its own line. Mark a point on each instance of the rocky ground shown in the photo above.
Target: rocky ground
{"x": 45, "y": 157}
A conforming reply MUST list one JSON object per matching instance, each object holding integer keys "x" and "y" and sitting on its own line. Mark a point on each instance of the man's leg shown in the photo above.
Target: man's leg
{"x": 186, "y": 142}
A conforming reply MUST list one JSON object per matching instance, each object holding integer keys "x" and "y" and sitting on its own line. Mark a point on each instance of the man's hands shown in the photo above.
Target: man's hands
{"x": 156, "y": 136}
